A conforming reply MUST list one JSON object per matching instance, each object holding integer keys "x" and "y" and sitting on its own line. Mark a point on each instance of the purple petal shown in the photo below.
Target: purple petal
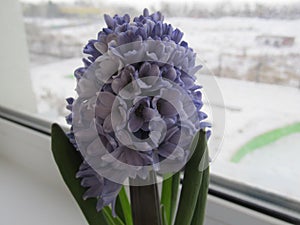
{"x": 106, "y": 99}
{"x": 94, "y": 148}
{"x": 117, "y": 84}
{"x": 107, "y": 125}
{"x": 146, "y": 12}
{"x": 90, "y": 181}
{"x": 177, "y": 35}
{"x": 154, "y": 71}
{"x": 205, "y": 124}
{"x": 135, "y": 123}
{"x": 92, "y": 192}
{"x": 85, "y": 134}
{"x": 144, "y": 70}
{"x": 109, "y": 21}
{"x": 102, "y": 111}
{"x": 188, "y": 82}
{"x": 171, "y": 74}
{"x": 148, "y": 114}
{"x": 169, "y": 150}
{"x": 166, "y": 108}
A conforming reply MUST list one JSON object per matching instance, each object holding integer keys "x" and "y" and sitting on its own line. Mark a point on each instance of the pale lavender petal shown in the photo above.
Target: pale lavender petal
{"x": 107, "y": 125}
{"x": 106, "y": 99}
{"x": 148, "y": 114}
{"x": 109, "y": 21}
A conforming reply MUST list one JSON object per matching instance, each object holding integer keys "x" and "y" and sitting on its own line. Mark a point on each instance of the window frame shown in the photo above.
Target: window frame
{"x": 239, "y": 194}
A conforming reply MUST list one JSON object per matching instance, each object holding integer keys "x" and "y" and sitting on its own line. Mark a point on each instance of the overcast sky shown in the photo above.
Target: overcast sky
{"x": 146, "y": 2}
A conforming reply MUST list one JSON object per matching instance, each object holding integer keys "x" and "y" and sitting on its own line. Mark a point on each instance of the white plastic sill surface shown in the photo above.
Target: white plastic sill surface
{"x": 33, "y": 193}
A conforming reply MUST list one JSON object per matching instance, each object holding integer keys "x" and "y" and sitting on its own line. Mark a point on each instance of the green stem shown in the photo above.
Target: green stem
{"x": 145, "y": 202}
{"x": 166, "y": 195}
{"x": 163, "y": 215}
{"x": 174, "y": 196}
{"x": 191, "y": 183}
{"x": 112, "y": 220}
{"x": 125, "y": 206}
{"x": 199, "y": 213}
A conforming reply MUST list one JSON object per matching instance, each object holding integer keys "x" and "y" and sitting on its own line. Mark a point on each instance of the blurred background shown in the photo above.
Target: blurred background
{"x": 251, "y": 49}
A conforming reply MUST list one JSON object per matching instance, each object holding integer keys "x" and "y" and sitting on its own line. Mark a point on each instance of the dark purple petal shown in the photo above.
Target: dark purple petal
{"x": 202, "y": 115}
{"x": 177, "y": 35}
{"x": 141, "y": 32}
{"x": 126, "y": 18}
{"x": 184, "y": 44}
{"x": 107, "y": 31}
{"x": 146, "y": 12}
{"x": 70, "y": 100}
{"x": 208, "y": 134}
{"x": 69, "y": 119}
{"x": 144, "y": 70}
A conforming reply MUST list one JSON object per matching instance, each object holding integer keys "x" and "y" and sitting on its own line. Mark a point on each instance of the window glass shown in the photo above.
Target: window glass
{"x": 251, "y": 48}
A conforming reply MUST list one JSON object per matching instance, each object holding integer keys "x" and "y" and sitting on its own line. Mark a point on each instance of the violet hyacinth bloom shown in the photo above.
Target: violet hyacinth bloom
{"x": 138, "y": 107}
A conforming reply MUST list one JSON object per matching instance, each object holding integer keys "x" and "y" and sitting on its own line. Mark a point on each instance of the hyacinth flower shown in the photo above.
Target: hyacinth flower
{"x": 137, "y": 118}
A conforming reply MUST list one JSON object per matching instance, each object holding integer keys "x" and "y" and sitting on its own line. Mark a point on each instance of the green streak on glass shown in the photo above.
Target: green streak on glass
{"x": 69, "y": 76}
{"x": 263, "y": 140}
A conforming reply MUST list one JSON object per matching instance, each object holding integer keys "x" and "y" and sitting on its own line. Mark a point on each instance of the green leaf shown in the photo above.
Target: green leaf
{"x": 191, "y": 183}
{"x": 199, "y": 213}
{"x": 68, "y": 161}
{"x": 112, "y": 220}
{"x": 124, "y": 205}
{"x": 166, "y": 195}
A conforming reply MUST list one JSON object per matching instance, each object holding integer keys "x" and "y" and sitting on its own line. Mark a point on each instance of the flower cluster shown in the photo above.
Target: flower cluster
{"x": 138, "y": 107}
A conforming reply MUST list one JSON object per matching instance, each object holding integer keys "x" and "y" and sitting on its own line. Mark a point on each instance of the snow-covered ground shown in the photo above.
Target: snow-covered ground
{"x": 228, "y": 45}
{"x": 251, "y": 108}
{"x": 263, "y": 107}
